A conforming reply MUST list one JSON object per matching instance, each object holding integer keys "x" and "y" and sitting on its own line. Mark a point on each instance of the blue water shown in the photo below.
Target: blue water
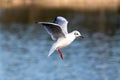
{"x": 23, "y": 56}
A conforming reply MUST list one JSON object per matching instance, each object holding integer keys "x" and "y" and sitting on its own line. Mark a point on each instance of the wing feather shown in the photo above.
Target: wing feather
{"x": 53, "y": 29}
{"x": 62, "y": 22}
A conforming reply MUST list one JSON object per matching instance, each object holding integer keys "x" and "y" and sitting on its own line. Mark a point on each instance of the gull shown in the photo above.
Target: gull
{"x": 58, "y": 32}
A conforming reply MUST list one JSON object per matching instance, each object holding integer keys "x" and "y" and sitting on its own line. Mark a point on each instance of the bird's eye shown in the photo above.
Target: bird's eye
{"x": 75, "y": 33}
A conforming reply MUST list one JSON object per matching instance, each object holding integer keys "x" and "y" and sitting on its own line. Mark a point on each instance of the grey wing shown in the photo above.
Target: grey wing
{"x": 62, "y": 22}
{"x": 53, "y": 29}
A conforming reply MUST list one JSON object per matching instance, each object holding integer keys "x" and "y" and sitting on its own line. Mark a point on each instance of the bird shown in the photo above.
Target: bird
{"x": 59, "y": 33}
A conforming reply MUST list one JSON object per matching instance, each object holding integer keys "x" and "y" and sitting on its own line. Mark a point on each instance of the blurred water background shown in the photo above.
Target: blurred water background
{"x": 24, "y": 45}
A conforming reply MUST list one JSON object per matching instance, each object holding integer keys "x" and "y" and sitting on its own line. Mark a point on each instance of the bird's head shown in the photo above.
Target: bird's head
{"x": 77, "y": 34}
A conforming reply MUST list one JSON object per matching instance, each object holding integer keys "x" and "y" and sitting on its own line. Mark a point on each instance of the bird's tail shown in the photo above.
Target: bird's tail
{"x": 53, "y": 48}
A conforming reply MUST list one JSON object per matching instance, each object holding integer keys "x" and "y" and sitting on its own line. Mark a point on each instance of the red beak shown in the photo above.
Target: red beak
{"x": 81, "y": 37}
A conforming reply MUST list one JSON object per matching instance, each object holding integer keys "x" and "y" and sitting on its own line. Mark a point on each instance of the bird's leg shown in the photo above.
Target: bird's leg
{"x": 60, "y": 52}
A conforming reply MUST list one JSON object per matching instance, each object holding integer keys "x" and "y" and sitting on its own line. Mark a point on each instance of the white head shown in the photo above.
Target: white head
{"x": 77, "y": 34}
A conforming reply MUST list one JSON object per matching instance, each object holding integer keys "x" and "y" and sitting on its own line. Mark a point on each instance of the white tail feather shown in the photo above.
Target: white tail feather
{"x": 53, "y": 48}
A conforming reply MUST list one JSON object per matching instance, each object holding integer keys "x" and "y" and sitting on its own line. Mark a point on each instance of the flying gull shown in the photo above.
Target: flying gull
{"x": 58, "y": 32}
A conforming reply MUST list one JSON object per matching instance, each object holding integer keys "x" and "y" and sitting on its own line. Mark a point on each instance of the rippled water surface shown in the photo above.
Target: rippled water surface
{"x": 23, "y": 56}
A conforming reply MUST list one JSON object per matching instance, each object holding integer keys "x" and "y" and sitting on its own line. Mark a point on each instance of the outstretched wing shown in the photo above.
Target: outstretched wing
{"x": 62, "y": 22}
{"x": 53, "y": 29}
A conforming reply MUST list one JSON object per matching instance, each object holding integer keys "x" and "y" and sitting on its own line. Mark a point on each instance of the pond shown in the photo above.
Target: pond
{"x": 24, "y": 50}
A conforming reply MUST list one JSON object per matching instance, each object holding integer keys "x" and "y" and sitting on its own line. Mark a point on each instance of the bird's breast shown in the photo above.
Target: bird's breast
{"x": 63, "y": 42}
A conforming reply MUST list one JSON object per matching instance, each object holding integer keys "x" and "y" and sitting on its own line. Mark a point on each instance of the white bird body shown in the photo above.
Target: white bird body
{"x": 58, "y": 31}
{"x": 63, "y": 42}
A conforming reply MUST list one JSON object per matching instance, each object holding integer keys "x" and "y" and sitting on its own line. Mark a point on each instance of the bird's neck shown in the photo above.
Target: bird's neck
{"x": 71, "y": 36}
